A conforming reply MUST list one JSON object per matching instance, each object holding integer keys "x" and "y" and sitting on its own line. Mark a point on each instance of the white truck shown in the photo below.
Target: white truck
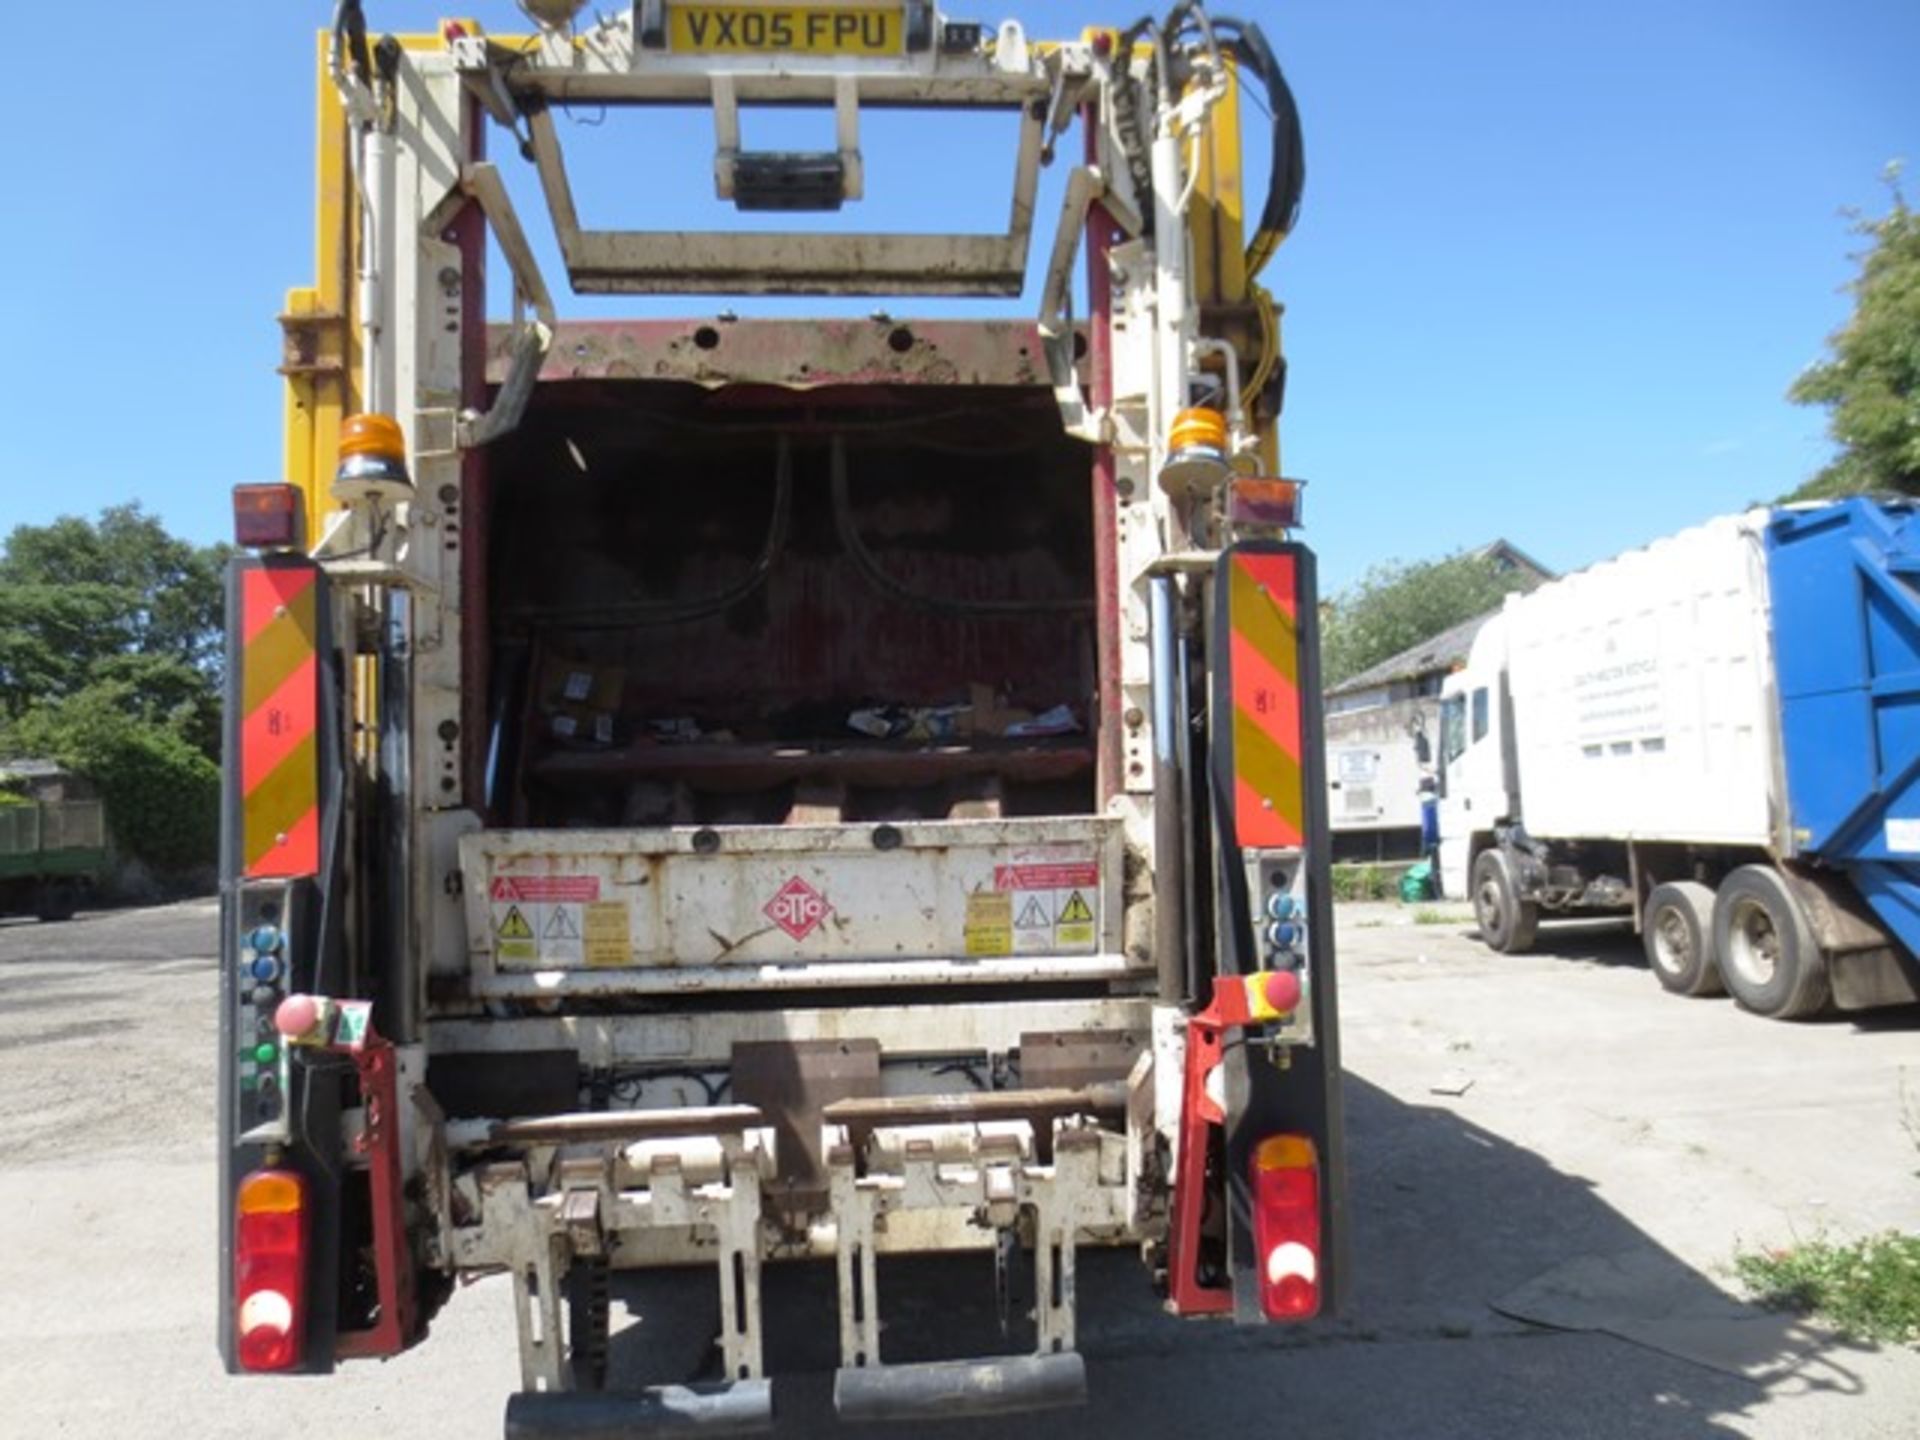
{"x": 1716, "y": 734}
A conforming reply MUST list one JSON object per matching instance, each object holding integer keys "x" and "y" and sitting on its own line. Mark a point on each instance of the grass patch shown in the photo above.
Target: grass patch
{"x": 1426, "y": 915}
{"x": 1366, "y": 882}
{"x": 1867, "y": 1289}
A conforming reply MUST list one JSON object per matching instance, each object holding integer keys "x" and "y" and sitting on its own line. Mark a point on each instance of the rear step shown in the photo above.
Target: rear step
{"x": 743, "y": 1408}
{"x": 954, "y": 1389}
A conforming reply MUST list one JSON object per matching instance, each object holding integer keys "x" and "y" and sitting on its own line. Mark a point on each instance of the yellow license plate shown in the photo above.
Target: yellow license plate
{"x": 785, "y": 29}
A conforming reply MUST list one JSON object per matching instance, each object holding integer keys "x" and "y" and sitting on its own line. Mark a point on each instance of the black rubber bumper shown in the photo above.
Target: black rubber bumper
{"x": 742, "y": 1408}
{"x": 953, "y": 1389}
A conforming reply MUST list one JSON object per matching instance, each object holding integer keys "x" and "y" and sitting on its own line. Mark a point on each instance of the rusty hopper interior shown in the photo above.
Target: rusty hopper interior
{"x": 738, "y": 561}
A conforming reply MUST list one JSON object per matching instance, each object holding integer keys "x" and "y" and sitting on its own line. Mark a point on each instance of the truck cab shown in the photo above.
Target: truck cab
{"x": 1476, "y": 787}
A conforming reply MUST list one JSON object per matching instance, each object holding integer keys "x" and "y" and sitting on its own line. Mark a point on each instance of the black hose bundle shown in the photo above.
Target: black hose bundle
{"x": 1247, "y": 44}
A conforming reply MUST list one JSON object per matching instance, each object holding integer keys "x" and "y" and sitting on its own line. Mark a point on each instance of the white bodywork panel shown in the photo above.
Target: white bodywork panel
{"x": 1642, "y": 695}
{"x": 787, "y": 906}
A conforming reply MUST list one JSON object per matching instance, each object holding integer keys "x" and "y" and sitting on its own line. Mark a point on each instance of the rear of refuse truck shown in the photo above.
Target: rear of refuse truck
{"x": 734, "y": 791}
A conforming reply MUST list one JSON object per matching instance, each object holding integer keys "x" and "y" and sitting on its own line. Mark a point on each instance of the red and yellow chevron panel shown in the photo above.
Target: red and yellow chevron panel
{"x": 1263, "y": 665}
{"x": 279, "y": 722}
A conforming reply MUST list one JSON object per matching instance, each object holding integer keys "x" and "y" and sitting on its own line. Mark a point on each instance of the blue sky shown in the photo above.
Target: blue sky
{"x": 1555, "y": 270}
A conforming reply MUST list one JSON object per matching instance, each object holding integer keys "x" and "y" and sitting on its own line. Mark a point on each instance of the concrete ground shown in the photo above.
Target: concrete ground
{"x": 1548, "y": 1134}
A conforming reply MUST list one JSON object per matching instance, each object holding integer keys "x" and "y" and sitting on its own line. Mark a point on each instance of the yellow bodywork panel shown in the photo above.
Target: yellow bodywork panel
{"x": 1217, "y": 218}
{"x": 1217, "y": 221}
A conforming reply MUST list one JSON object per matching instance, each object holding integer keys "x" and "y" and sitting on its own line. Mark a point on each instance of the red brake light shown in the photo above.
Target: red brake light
{"x": 270, "y": 1269}
{"x": 1286, "y": 1226}
{"x": 266, "y": 517}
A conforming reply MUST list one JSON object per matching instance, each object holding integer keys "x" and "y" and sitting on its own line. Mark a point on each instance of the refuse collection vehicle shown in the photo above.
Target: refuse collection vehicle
{"x": 1718, "y": 734}
{"x": 736, "y": 791}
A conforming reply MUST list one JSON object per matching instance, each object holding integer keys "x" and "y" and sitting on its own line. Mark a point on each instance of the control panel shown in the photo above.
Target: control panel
{"x": 1277, "y": 894}
{"x": 268, "y": 918}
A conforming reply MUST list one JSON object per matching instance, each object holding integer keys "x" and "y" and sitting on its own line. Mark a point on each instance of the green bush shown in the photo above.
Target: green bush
{"x": 1363, "y": 882}
{"x": 1868, "y": 1289}
{"x": 162, "y": 794}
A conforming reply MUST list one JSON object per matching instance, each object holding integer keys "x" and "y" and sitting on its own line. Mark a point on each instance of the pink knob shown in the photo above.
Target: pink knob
{"x": 298, "y": 1015}
{"x": 1283, "y": 991}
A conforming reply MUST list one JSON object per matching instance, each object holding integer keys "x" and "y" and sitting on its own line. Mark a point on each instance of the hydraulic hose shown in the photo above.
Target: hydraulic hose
{"x": 869, "y": 565}
{"x": 622, "y": 614}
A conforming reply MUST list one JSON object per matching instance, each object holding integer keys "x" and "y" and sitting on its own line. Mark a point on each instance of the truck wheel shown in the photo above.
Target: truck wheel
{"x": 1507, "y": 923}
{"x": 1677, "y": 927}
{"x": 1768, "y": 955}
{"x": 58, "y": 899}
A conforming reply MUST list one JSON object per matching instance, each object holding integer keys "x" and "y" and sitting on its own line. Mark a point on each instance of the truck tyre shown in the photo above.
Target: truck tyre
{"x": 57, "y": 900}
{"x": 1768, "y": 955}
{"x": 1677, "y": 926}
{"x": 1507, "y": 923}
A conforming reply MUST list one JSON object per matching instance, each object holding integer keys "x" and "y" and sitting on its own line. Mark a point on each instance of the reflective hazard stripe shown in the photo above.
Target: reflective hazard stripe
{"x": 1264, "y": 666}
{"x": 279, "y": 720}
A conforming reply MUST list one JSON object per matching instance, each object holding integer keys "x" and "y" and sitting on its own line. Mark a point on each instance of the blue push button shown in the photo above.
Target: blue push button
{"x": 1281, "y": 907}
{"x": 265, "y": 969}
{"x": 266, "y": 939}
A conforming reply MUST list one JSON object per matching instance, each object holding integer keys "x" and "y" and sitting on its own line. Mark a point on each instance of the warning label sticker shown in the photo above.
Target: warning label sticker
{"x": 609, "y": 934}
{"x": 1052, "y": 898}
{"x": 546, "y": 889}
{"x": 990, "y": 923}
{"x": 537, "y": 918}
{"x": 1036, "y": 914}
{"x": 513, "y": 936}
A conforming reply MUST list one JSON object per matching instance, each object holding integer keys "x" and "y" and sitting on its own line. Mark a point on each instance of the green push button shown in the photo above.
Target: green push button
{"x": 266, "y": 1052}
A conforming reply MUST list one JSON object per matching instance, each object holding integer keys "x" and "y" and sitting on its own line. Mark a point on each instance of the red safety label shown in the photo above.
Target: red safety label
{"x": 547, "y": 889}
{"x": 1060, "y": 876}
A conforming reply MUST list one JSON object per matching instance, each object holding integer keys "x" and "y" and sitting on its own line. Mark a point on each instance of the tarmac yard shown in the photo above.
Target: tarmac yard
{"x": 1552, "y": 1163}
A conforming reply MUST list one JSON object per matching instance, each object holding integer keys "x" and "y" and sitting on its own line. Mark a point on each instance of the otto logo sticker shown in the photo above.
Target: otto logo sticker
{"x": 797, "y": 908}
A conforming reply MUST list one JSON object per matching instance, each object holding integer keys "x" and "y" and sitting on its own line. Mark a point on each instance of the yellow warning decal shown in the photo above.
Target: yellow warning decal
{"x": 513, "y": 925}
{"x": 609, "y": 934}
{"x": 1076, "y": 911}
{"x": 990, "y": 923}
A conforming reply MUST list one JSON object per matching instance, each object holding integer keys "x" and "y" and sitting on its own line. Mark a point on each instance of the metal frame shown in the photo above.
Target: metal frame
{"x": 608, "y": 66}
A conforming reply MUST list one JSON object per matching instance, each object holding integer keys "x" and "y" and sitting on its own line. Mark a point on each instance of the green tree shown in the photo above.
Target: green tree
{"x": 1870, "y": 382}
{"x": 162, "y": 793}
{"x": 110, "y": 657}
{"x": 82, "y": 601}
{"x": 1396, "y": 605}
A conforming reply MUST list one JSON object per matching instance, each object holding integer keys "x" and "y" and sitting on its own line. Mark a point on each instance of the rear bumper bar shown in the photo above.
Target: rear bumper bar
{"x": 742, "y": 1408}
{"x": 955, "y": 1389}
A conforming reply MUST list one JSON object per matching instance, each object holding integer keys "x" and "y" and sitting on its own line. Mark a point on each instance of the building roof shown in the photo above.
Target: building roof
{"x": 1440, "y": 652}
{"x": 1449, "y": 648}
{"x": 30, "y": 769}
{"x": 1506, "y": 555}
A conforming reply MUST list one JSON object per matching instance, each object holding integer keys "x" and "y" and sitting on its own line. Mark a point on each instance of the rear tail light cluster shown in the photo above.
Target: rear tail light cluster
{"x": 1286, "y": 1226}
{"x": 268, "y": 517}
{"x": 270, "y": 1269}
